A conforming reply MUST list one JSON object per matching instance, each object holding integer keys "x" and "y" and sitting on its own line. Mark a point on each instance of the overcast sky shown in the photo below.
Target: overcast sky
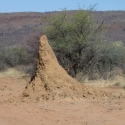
{"x": 57, "y": 5}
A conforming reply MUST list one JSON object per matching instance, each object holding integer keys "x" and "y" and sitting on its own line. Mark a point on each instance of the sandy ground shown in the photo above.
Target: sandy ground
{"x": 60, "y": 112}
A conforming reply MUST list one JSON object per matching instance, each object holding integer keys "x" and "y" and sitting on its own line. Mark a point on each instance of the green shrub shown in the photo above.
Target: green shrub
{"x": 108, "y": 57}
{"x": 13, "y": 56}
{"x": 3, "y": 65}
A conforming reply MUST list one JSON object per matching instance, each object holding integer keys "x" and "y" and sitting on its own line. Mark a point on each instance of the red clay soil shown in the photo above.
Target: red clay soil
{"x": 66, "y": 111}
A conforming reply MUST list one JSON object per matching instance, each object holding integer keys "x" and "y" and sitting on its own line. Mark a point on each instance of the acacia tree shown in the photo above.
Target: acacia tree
{"x": 75, "y": 39}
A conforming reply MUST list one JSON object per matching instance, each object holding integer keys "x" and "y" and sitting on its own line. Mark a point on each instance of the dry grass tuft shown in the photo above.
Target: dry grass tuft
{"x": 12, "y": 72}
{"x": 118, "y": 81}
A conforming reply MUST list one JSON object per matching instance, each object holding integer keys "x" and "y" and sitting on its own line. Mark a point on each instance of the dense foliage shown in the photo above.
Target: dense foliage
{"x": 12, "y": 56}
{"x": 76, "y": 40}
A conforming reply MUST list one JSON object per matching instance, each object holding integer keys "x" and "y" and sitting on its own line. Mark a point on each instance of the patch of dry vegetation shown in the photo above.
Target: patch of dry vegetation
{"x": 13, "y": 73}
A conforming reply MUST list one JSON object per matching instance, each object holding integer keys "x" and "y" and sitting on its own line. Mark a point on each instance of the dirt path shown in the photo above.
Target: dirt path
{"x": 60, "y": 112}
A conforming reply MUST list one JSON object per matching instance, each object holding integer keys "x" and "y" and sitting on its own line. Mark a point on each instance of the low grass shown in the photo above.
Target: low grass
{"x": 12, "y": 72}
{"x": 19, "y": 72}
{"x": 117, "y": 80}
